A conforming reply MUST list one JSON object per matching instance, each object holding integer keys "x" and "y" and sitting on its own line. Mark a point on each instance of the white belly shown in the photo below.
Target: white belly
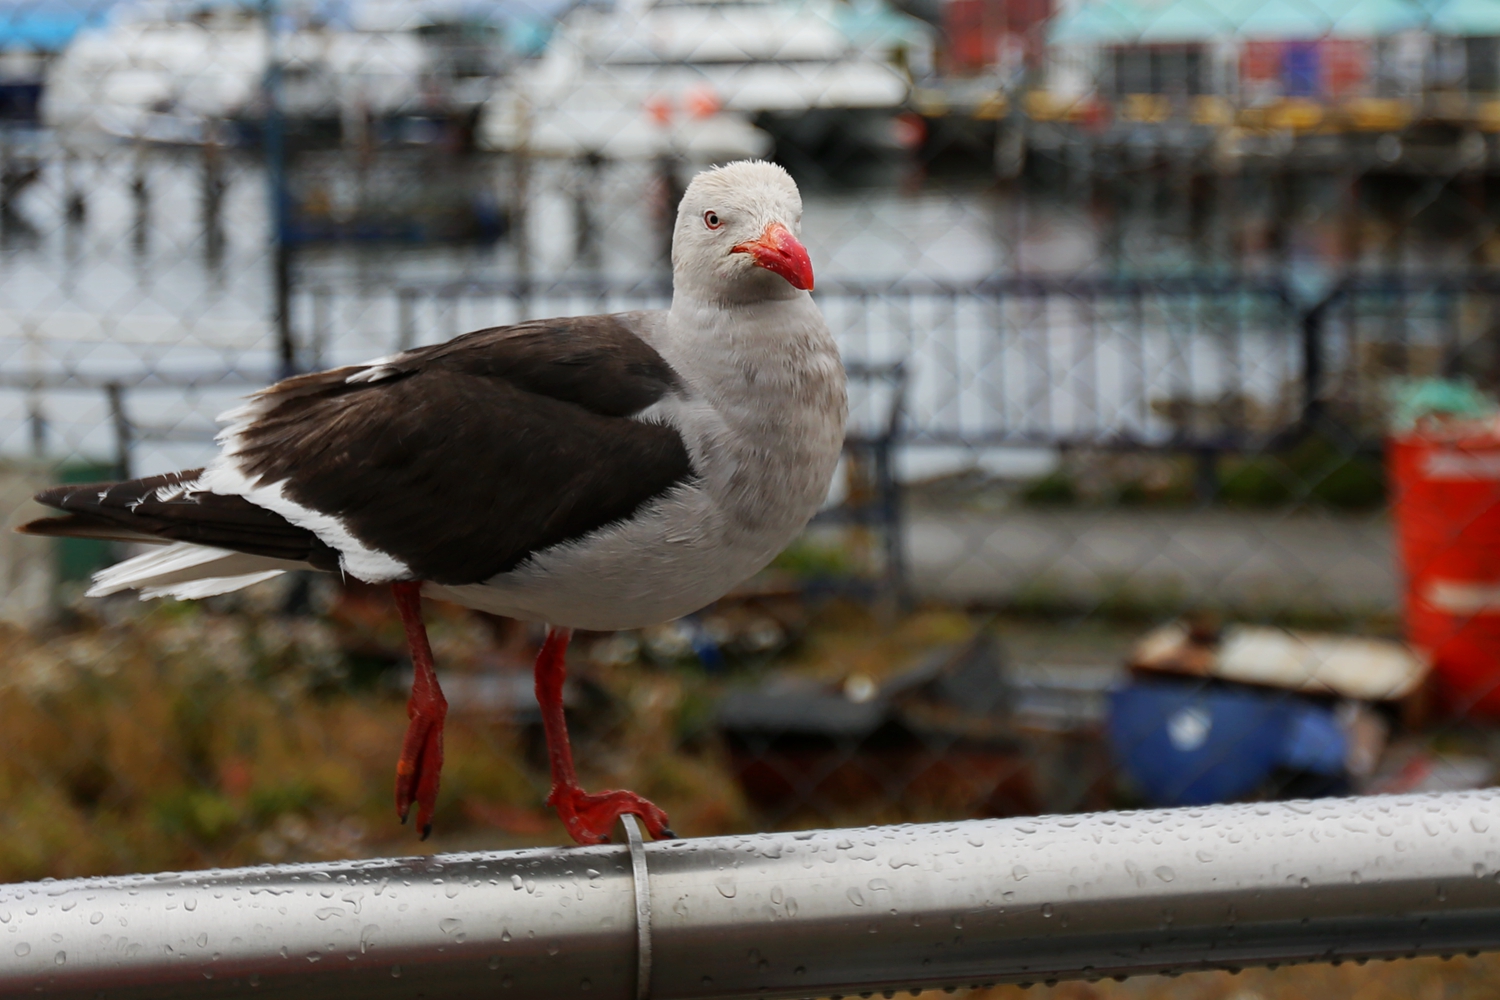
{"x": 682, "y": 553}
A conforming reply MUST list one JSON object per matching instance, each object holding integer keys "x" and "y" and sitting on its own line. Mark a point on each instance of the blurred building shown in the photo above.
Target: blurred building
{"x": 1329, "y": 64}
{"x": 713, "y": 80}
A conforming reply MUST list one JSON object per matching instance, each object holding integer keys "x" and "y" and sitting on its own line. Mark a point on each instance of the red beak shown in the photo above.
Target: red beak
{"x": 779, "y": 251}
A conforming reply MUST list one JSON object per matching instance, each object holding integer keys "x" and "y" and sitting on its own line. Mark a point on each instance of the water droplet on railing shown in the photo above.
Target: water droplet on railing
{"x": 516, "y": 883}
{"x": 725, "y": 885}
{"x": 395, "y": 972}
{"x": 1164, "y": 873}
{"x": 61, "y": 958}
{"x": 95, "y": 917}
{"x": 855, "y": 896}
{"x": 1046, "y": 909}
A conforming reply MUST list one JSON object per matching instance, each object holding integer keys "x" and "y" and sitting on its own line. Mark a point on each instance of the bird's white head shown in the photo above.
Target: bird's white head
{"x": 737, "y": 235}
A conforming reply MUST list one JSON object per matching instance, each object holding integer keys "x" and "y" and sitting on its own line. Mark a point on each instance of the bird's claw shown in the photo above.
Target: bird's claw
{"x": 419, "y": 769}
{"x": 589, "y": 818}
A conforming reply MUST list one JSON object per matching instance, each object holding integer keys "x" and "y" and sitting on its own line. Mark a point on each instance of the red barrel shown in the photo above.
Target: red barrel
{"x": 1447, "y": 508}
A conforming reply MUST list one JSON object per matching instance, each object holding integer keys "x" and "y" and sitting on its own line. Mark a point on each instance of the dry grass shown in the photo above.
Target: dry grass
{"x": 1418, "y": 979}
{"x": 186, "y": 739}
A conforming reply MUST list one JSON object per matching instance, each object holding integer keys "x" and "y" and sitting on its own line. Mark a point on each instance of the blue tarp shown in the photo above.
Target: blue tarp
{"x": 1184, "y": 744}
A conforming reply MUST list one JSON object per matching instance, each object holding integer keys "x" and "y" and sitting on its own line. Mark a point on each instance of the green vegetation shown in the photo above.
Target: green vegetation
{"x": 1314, "y": 472}
{"x": 1055, "y": 489}
{"x": 809, "y": 558}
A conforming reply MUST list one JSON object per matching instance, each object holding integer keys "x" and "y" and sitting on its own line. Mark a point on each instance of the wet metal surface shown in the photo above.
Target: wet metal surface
{"x": 804, "y": 914}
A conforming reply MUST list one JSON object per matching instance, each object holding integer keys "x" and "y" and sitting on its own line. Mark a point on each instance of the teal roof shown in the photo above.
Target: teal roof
{"x": 871, "y": 23}
{"x": 1186, "y": 21}
{"x": 1467, "y": 17}
{"x": 1378, "y": 18}
{"x": 1285, "y": 19}
{"x": 1101, "y": 22}
{"x": 1119, "y": 22}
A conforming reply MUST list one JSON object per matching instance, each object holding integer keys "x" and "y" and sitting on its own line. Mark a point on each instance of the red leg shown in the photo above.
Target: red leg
{"x": 589, "y": 818}
{"x": 421, "y": 762}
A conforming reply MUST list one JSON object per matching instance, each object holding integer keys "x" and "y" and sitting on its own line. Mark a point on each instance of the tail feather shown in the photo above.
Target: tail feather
{"x": 188, "y": 571}
{"x": 211, "y": 586}
{"x": 211, "y": 543}
{"x": 86, "y": 526}
{"x": 174, "y": 508}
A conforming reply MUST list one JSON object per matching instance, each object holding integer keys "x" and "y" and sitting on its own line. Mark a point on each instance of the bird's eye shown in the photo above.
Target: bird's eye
{"x": 711, "y": 220}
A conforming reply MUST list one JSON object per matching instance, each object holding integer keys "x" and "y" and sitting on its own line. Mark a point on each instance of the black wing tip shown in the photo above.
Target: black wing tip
{"x": 86, "y": 496}
{"x": 83, "y": 526}
{"x": 57, "y": 496}
{"x": 49, "y": 526}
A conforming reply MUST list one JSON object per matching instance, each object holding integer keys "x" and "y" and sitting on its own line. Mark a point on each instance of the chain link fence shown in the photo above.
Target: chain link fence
{"x": 1135, "y": 299}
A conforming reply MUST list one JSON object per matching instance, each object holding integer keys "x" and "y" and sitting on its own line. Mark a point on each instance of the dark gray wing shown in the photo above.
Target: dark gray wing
{"x": 464, "y": 458}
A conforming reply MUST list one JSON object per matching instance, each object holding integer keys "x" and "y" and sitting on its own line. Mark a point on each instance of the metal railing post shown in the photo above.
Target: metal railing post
{"x": 406, "y": 320}
{"x": 791, "y": 914}
{"x": 114, "y": 394}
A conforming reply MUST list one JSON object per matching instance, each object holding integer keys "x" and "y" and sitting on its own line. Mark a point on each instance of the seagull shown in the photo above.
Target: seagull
{"x": 593, "y": 472}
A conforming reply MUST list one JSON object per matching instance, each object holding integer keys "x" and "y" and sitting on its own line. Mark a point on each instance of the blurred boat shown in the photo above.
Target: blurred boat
{"x": 592, "y": 116}
{"x": 159, "y": 72}
{"x": 705, "y": 79}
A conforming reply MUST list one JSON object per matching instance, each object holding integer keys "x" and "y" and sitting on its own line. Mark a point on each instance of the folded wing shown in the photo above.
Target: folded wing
{"x": 453, "y": 462}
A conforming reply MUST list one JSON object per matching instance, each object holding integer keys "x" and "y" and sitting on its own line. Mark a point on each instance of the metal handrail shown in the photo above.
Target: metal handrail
{"x": 792, "y": 914}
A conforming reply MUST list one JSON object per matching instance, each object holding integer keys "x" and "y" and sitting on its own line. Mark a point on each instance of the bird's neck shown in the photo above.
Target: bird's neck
{"x": 755, "y": 344}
